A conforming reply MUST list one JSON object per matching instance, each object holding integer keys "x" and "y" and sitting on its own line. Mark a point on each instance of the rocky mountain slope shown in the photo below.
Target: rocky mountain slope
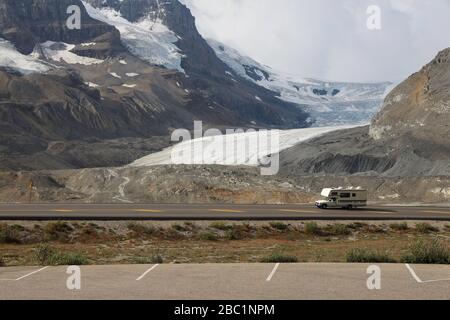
{"x": 206, "y": 184}
{"x": 410, "y": 136}
{"x": 94, "y": 85}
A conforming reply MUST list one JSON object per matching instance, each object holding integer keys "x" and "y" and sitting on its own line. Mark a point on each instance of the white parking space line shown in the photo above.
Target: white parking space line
{"x": 272, "y": 273}
{"x": 147, "y": 272}
{"x": 413, "y": 273}
{"x": 416, "y": 277}
{"x": 27, "y": 275}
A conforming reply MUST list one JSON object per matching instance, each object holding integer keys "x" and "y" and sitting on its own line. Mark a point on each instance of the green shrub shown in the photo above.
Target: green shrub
{"x": 220, "y": 226}
{"x": 368, "y": 256}
{"x": 208, "y": 236}
{"x": 234, "y": 234}
{"x": 154, "y": 259}
{"x": 358, "y": 225}
{"x": 2, "y": 262}
{"x": 426, "y": 228}
{"x": 399, "y": 226}
{"x": 279, "y": 226}
{"x": 48, "y": 256}
{"x": 9, "y": 234}
{"x": 141, "y": 229}
{"x": 58, "y": 231}
{"x": 279, "y": 258}
{"x": 312, "y": 228}
{"x": 428, "y": 252}
{"x": 447, "y": 227}
{"x": 339, "y": 230}
{"x": 178, "y": 227}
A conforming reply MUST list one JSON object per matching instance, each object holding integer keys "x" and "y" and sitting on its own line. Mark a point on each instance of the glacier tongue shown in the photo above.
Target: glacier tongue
{"x": 216, "y": 149}
{"x": 148, "y": 39}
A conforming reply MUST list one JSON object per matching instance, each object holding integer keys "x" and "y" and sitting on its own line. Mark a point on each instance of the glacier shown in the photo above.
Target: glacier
{"x": 216, "y": 150}
{"x": 149, "y": 39}
{"x": 328, "y": 102}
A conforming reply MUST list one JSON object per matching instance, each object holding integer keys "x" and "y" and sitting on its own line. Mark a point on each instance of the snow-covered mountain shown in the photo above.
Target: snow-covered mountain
{"x": 136, "y": 69}
{"x": 329, "y": 103}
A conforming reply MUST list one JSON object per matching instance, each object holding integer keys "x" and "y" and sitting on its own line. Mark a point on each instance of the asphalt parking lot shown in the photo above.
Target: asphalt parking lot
{"x": 227, "y": 281}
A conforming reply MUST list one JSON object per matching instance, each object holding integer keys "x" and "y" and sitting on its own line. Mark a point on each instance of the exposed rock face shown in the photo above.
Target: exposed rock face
{"x": 419, "y": 107}
{"x": 409, "y": 137}
{"x": 29, "y": 22}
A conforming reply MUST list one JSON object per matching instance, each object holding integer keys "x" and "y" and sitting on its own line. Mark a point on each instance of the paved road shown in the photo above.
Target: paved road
{"x": 227, "y": 281}
{"x": 213, "y": 212}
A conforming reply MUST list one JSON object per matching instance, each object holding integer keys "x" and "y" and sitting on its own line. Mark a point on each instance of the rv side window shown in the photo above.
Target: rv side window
{"x": 345, "y": 195}
{"x": 333, "y": 194}
{"x": 354, "y": 195}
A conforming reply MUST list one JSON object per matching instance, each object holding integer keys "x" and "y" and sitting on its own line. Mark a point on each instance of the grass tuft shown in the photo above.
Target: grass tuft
{"x": 279, "y": 258}
{"x": 220, "y": 226}
{"x": 279, "y": 226}
{"x": 235, "y": 234}
{"x": 208, "y": 236}
{"x": 339, "y": 230}
{"x": 154, "y": 259}
{"x": 179, "y": 227}
{"x": 9, "y": 234}
{"x": 58, "y": 231}
{"x": 141, "y": 229}
{"x": 368, "y": 256}
{"x": 46, "y": 255}
{"x": 426, "y": 228}
{"x": 399, "y": 226}
{"x": 428, "y": 252}
{"x": 313, "y": 228}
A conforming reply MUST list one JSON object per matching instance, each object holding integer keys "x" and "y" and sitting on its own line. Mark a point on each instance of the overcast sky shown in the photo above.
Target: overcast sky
{"x": 329, "y": 39}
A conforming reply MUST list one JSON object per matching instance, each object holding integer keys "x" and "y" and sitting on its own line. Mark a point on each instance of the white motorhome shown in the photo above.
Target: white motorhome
{"x": 349, "y": 198}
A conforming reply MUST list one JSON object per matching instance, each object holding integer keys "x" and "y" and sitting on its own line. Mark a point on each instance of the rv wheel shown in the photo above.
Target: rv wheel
{"x": 324, "y": 206}
{"x": 350, "y": 207}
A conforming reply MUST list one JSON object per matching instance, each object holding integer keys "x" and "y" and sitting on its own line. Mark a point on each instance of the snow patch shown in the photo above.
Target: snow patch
{"x": 11, "y": 58}
{"x": 148, "y": 39}
{"x": 60, "y": 52}
{"x": 115, "y": 75}
{"x": 92, "y": 85}
{"x": 131, "y": 74}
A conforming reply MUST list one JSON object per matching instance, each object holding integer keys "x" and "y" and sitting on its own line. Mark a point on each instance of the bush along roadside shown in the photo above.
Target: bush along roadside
{"x": 428, "y": 252}
{"x": 368, "y": 256}
{"x": 47, "y": 255}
